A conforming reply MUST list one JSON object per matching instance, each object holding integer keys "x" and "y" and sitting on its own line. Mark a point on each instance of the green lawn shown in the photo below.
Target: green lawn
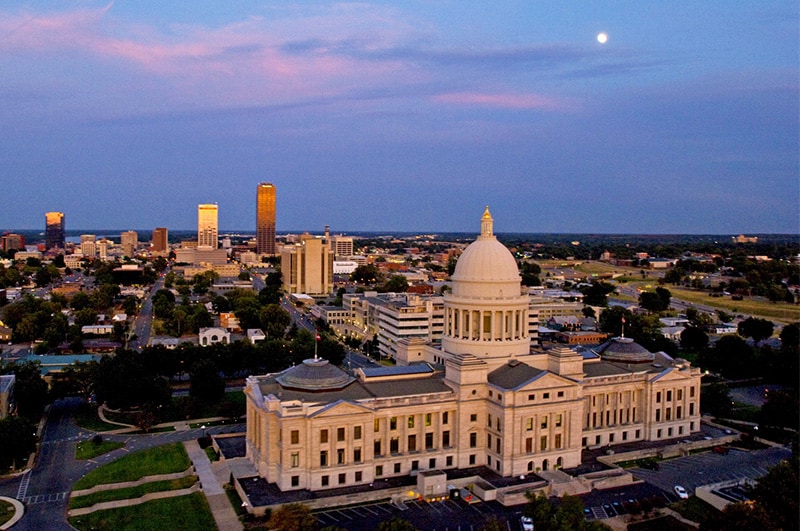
{"x": 159, "y": 460}
{"x": 6, "y": 512}
{"x": 778, "y": 311}
{"x": 86, "y": 417}
{"x": 190, "y": 513}
{"x": 88, "y": 449}
{"x": 131, "y": 492}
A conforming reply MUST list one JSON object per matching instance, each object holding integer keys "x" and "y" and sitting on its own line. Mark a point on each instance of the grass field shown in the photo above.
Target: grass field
{"x": 778, "y": 311}
{"x": 131, "y": 492}
{"x": 159, "y": 460}
{"x": 189, "y": 513}
{"x": 88, "y": 449}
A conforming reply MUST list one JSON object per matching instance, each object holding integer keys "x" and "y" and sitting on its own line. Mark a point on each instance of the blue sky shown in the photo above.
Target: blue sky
{"x": 403, "y": 115}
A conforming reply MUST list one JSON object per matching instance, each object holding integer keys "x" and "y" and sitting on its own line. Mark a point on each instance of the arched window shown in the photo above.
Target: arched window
{"x": 545, "y": 464}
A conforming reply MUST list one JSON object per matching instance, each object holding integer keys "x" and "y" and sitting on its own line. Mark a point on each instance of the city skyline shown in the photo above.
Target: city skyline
{"x": 381, "y": 117}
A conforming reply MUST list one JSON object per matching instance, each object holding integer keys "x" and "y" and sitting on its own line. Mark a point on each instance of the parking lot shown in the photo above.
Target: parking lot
{"x": 709, "y": 467}
{"x": 447, "y": 515}
{"x": 456, "y": 515}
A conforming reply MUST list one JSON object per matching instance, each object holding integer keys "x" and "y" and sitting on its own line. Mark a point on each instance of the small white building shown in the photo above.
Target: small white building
{"x": 213, "y": 335}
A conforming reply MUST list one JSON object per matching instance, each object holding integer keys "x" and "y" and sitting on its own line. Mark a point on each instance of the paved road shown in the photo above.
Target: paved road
{"x": 45, "y": 489}
{"x": 143, "y": 321}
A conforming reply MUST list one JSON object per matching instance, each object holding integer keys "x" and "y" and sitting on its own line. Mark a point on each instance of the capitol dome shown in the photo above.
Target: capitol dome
{"x": 486, "y": 259}
{"x": 625, "y": 350}
{"x": 315, "y": 375}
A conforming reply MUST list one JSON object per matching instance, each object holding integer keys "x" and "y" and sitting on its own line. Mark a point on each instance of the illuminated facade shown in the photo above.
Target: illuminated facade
{"x": 207, "y": 226}
{"x": 265, "y": 219}
{"x": 54, "y": 230}
{"x": 482, "y": 398}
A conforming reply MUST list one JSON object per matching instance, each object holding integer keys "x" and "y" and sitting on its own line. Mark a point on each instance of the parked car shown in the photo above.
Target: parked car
{"x": 526, "y": 522}
{"x": 681, "y": 492}
{"x": 723, "y": 450}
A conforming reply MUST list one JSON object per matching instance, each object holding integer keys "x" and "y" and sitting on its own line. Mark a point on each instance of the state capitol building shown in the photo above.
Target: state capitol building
{"x": 481, "y": 399}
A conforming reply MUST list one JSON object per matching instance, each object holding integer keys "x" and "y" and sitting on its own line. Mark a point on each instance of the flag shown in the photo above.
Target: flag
{"x": 318, "y": 337}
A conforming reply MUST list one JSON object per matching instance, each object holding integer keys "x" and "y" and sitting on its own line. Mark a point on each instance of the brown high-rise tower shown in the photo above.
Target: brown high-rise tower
{"x": 265, "y": 219}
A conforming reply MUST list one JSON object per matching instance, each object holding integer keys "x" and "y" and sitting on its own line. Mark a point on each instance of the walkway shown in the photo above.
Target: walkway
{"x": 218, "y": 501}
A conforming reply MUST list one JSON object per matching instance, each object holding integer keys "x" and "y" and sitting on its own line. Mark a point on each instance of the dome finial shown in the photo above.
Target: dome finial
{"x": 486, "y": 223}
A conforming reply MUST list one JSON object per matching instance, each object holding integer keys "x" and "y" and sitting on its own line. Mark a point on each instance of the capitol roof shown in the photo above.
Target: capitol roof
{"x": 315, "y": 374}
{"x": 486, "y": 259}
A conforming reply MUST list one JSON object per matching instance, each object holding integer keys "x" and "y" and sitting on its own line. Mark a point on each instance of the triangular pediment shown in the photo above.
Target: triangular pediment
{"x": 547, "y": 380}
{"x": 516, "y": 376}
{"x": 670, "y": 374}
{"x": 340, "y": 408}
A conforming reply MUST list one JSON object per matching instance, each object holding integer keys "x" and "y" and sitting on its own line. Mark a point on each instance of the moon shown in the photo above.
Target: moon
{"x": 602, "y": 38}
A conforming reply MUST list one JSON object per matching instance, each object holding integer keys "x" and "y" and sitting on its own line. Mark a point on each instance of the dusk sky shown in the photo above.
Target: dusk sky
{"x": 403, "y": 116}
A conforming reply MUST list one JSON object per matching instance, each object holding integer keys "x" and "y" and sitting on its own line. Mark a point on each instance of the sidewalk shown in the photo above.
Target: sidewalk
{"x": 221, "y": 508}
{"x": 179, "y": 425}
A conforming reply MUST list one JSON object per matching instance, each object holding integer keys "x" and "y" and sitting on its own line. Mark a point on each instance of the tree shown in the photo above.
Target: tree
{"x": 274, "y": 320}
{"x": 597, "y": 293}
{"x": 396, "y": 524}
{"x": 205, "y": 383}
{"x": 30, "y": 389}
{"x": 778, "y": 494}
{"x": 657, "y": 301}
{"x": 694, "y": 339}
{"x": 730, "y": 356}
{"x": 716, "y": 399}
{"x": 18, "y": 440}
{"x": 79, "y": 301}
{"x": 698, "y": 318}
{"x": 758, "y": 329}
{"x": 293, "y": 517}
{"x": 396, "y": 284}
{"x": 367, "y": 274}
{"x": 780, "y": 409}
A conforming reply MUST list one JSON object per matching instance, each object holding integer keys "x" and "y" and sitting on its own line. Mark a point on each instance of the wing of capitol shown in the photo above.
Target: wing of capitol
{"x": 481, "y": 400}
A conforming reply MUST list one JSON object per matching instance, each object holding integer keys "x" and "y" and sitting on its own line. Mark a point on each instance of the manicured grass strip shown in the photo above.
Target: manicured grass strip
{"x": 88, "y": 449}
{"x": 159, "y": 460}
{"x": 131, "y": 492}
{"x": 189, "y": 513}
{"x": 6, "y": 512}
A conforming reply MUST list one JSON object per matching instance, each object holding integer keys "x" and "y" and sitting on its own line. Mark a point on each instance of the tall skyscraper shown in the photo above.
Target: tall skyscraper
{"x": 160, "y": 240}
{"x": 265, "y": 219}
{"x": 54, "y": 230}
{"x": 207, "y": 228}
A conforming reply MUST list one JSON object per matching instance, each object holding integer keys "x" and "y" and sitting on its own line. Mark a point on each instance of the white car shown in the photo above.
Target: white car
{"x": 681, "y": 492}
{"x": 527, "y": 523}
